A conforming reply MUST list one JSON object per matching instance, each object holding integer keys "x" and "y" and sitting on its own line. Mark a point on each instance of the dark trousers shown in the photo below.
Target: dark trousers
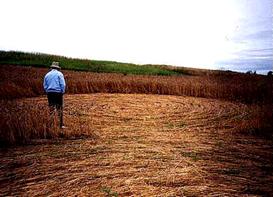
{"x": 55, "y": 102}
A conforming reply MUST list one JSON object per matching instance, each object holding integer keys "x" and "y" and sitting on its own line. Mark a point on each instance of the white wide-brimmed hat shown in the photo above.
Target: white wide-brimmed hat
{"x": 55, "y": 65}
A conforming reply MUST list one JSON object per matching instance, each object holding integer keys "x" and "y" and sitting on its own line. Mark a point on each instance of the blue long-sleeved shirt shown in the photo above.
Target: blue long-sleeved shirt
{"x": 54, "y": 82}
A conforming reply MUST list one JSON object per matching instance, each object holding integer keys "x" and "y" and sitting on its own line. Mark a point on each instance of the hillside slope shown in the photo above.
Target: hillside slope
{"x": 101, "y": 66}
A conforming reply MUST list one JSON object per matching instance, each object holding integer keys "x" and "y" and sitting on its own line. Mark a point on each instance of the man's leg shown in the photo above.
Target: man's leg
{"x": 60, "y": 114}
{"x": 55, "y": 101}
{"x": 52, "y": 108}
{"x": 60, "y": 108}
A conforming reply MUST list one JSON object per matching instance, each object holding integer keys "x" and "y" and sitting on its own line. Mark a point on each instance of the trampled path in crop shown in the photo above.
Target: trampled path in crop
{"x": 142, "y": 145}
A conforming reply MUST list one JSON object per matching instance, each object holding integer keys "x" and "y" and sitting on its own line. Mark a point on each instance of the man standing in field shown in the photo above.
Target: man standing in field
{"x": 54, "y": 86}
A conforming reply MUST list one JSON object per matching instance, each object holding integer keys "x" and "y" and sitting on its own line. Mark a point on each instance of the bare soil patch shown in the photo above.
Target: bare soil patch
{"x": 142, "y": 145}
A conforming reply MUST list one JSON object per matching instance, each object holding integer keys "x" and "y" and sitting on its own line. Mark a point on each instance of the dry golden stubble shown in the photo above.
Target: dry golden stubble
{"x": 145, "y": 145}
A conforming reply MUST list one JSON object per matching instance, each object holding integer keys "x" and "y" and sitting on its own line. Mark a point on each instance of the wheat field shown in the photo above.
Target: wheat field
{"x": 142, "y": 145}
{"x": 127, "y": 135}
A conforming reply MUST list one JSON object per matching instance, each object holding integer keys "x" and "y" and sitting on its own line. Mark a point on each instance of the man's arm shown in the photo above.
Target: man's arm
{"x": 45, "y": 84}
{"x": 62, "y": 83}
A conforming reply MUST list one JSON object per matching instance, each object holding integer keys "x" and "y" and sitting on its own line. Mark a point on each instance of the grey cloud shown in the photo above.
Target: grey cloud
{"x": 254, "y": 33}
{"x": 252, "y": 59}
{"x": 251, "y": 30}
{"x": 256, "y": 23}
{"x": 262, "y": 56}
{"x": 247, "y": 64}
{"x": 262, "y": 36}
{"x": 265, "y": 34}
{"x": 256, "y": 53}
{"x": 261, "y": 50}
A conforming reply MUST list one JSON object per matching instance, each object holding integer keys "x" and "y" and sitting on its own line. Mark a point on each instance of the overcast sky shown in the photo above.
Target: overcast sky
{"x": 226, "y": 34}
